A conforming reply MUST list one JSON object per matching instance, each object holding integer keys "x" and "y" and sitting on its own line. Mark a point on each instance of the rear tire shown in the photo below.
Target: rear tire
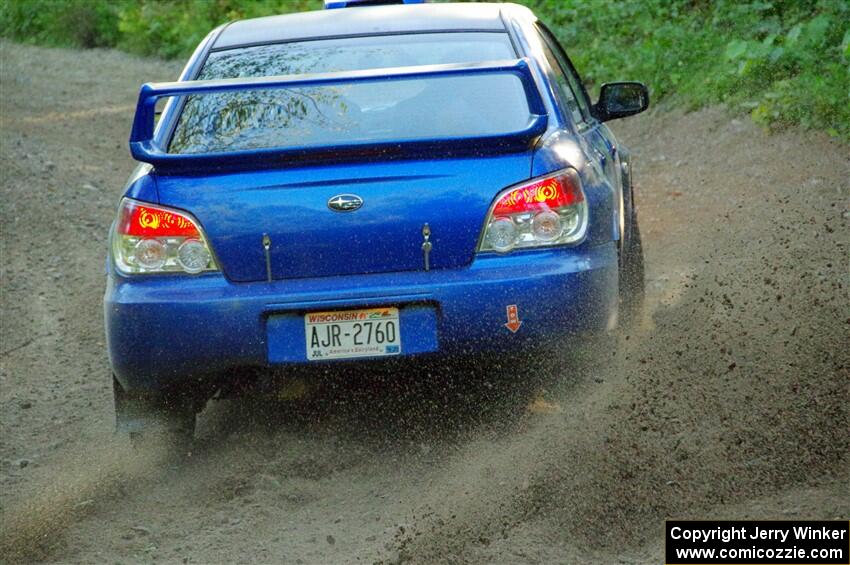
{"x": 155, "y": 418}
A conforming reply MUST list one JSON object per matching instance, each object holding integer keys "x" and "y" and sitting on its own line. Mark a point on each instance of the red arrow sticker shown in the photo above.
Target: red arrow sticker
{"x": 513, "y": 318}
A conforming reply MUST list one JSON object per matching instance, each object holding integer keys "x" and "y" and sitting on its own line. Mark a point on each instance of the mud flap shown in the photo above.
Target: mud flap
{"x": 155, "y": 412}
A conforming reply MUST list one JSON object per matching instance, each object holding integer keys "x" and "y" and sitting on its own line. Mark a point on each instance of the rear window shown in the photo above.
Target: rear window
{"x": 380, "y": 111}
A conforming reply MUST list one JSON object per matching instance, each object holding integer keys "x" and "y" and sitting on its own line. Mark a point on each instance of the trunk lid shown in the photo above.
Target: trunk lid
{"x": 309, "y": 239}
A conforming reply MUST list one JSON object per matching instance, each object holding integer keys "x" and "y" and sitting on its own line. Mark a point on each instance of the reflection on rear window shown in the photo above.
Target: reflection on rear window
{"x": 358, "y": 113}
{"x": 381, "y": 111}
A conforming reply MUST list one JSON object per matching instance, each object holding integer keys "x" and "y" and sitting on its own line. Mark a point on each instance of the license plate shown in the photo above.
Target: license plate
{"x": 374, "y": 332}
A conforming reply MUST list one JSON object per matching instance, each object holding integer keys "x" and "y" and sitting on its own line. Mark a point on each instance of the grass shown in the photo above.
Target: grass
{"x": 783, "y": 62}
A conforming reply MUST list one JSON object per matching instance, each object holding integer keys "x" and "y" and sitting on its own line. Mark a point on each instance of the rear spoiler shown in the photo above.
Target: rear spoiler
{"x": 146, "y": 145}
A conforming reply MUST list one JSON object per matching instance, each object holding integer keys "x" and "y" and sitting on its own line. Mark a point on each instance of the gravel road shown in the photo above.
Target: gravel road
{"x": 728, "y": 400}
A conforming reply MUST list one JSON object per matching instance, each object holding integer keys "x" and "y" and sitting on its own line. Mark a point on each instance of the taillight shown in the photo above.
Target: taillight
{"x": 156, "y": 239}
{"x": 547, "y": 211}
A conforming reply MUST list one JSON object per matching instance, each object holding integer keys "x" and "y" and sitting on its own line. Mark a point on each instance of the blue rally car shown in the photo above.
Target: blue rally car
{"x": 370, "y": 181}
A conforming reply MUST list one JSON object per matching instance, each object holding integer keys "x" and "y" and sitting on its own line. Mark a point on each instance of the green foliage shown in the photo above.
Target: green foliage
{"x": 173, "y": 28}
{"x": 82, "y": 23}
{"x": 162, "y": 28}
{"x": 781, "y": 61}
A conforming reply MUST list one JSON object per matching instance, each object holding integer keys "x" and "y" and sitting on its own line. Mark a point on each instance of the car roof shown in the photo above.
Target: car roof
{"x": 365, "y": 20}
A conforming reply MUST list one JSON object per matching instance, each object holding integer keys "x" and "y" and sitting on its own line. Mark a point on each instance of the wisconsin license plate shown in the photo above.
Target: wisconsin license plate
{"x": 374, "y": 332}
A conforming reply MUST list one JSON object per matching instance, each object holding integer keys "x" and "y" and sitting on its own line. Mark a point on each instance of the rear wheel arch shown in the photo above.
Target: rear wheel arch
{"x": 630, "y": 250}
{"x": 627, "y": 194}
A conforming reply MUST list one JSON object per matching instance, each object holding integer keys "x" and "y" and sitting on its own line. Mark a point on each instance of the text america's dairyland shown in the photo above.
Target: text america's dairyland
{"x": 756, "y": 533}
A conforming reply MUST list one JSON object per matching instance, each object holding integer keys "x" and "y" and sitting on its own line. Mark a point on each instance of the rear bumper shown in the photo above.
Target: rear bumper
{"x": 162, "y": 331}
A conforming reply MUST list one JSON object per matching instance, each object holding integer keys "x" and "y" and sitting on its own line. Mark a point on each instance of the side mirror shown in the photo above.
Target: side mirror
{"x": 621, "y": 99}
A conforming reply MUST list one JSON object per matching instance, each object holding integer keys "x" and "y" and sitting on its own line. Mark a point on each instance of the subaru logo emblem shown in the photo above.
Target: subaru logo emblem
{"x": 345, "y": 203}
